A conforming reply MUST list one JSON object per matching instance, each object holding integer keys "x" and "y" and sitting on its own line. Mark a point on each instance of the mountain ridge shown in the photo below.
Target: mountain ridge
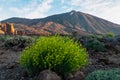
{"x": 67, "y": 23}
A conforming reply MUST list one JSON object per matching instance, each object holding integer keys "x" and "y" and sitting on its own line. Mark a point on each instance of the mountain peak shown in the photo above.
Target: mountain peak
{"x": 67, "y": 23}
{"x": 72, "y": 12}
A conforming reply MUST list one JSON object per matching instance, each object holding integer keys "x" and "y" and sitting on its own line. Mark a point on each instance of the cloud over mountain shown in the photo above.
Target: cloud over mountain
{"x": 106, "y": 9}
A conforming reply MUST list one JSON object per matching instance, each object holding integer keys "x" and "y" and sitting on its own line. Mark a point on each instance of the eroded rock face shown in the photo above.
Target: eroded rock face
{"x": 20, "y": 32}
{"x": 2, "y": 32}
{"x": 8, "y": 28}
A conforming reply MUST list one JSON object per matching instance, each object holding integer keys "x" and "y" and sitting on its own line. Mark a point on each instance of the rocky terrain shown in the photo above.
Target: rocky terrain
{"x": 103, "y": 50}
{"x": 10, "y": 68}
{"x": 9, "y": 29}
{"x": 65, "y": 23}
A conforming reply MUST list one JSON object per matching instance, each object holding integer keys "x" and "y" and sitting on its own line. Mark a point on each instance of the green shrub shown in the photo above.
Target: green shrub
{"x": 91, "y": 35}
{"x": 18, "y": 42}
{"x": 4, "y": 37}
{"x": 99, "y": 36}
{"x": 110, "y": 34}
{"x": 95, "y": 36}
{"x": 94, "y": 45}
{"x": 113, "y": 74}
{"x": 59, "y": 54}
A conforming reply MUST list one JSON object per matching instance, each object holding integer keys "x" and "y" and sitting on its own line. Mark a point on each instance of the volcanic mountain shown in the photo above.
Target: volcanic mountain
{"x": 65, "y": 23}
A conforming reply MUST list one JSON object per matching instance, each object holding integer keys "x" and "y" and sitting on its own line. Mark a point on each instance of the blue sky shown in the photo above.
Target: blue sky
{"x": 106, "y": 9}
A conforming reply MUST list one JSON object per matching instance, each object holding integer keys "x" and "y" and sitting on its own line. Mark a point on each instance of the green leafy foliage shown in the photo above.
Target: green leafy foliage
{"x": 18, "y": 41}
{"x": 99, "y": 36}
{"x": 91, "y": 35}
{"x": 110, "y": 34}
{"x": 94, "y": 45}
{"x": 60, "y": 54}
{"x": 4, "y": 37}
{"x": 113, "y": 74}
{"x": 95, "y": 36}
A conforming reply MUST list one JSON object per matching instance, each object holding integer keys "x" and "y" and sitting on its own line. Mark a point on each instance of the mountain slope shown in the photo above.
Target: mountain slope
{"x": 66, "y": 23}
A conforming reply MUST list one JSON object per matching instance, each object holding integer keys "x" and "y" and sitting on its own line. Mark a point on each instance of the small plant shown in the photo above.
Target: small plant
{"x": 94, "y": 45}
{"x": 110, "y": 34}
{"x": 113, "y": 74}
{"x": 91, "y": 35}
{"x": 95, "y": 36}
{"x": 18, "y": 42}
{"x": 60, "y": 54}
{"x": 3, "y": 38}
{"x": 99, "y": 36}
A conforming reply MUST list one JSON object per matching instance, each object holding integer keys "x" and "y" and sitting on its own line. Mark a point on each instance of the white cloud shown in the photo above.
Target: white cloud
{"x": 2, "y": 14}
{"x": 113, "y": 14}
{"x": 107, "y": 9}
{"x": 35, "y": 9}
{"x": 102, "y": 8}
{"x": 62, "y": 1}
{"x": 1, "y": 9}
{"x": 41, "y": 9}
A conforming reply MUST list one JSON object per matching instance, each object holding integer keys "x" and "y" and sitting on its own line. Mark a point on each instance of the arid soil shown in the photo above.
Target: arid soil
{"x": 10, "y": 68}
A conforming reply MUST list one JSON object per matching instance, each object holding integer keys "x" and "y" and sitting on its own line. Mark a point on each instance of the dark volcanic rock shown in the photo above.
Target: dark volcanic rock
{"x": 48, "y": 75}
{"x": 79, "y": 75}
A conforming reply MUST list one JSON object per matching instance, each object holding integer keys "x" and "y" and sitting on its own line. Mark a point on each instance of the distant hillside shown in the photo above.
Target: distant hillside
{"x": 66, "y": 23}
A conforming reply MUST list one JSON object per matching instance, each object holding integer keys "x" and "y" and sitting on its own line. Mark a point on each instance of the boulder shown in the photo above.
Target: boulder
{"x": 103, "y": 60}
{"x": 115, "y": 59}
{"x": 117, "y": 48}
{"x": 79, "y": 75}
{"x": 48, "y": 75}
{"x": 10, "y": 66}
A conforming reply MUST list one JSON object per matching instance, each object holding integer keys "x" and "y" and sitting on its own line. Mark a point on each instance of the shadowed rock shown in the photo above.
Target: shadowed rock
{"x": 48, "y": 75}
